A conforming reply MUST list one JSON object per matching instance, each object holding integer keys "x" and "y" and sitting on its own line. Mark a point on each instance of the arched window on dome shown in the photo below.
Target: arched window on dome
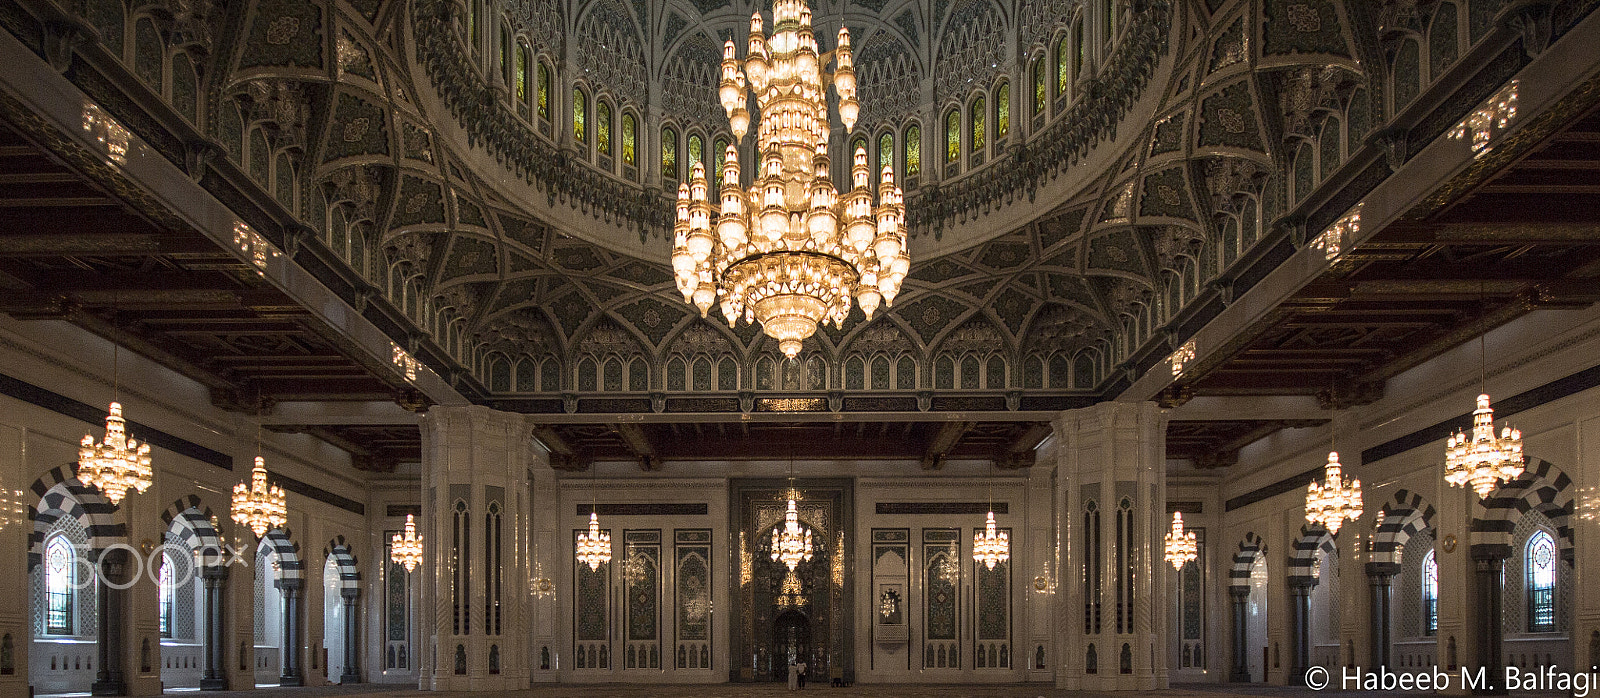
{"x": 952, "y": 138}
{"x": 719, "y": 157}
{"x": 602, "y": 127}
{"x": 60, "y": 583}
{"x": 1064, "y": 63}
{"x": 885, "y": 153}
{"x": 975, "y": 117}
{"x": 1430, "y": 595}
{"x": 519, "y": 80}
{"x": 669, "y": 157}
{"x": 697, "y": 151}
{"x": 580, "y": 115}
{"x": 630, "y": 141}
{"x": 912, "y": 143}
{"x": 1539, "y": 557}
{"x": 505, "y": 53}
{"x": 544, "y": 91}
{"x": 1040, "y": 92}
{"x": 1002, "y": 112}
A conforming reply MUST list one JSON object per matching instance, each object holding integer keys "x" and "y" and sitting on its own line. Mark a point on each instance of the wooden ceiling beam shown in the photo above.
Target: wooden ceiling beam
{"x": 107, "y": 244}
{"x": 1019, "y": 452}
{"x": 563, "y": 455}
{"x": 943, "y": 442}
{"x": 639, "y": 444}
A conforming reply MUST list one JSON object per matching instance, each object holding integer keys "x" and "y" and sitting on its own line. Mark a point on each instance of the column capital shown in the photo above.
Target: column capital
{"x": 1382, "y": 570}
{"x": 1239, "y": 593}
{"x": 214, "y": 572}
{"x": 289, "y": 586}
{"x": 1302, "y": 584}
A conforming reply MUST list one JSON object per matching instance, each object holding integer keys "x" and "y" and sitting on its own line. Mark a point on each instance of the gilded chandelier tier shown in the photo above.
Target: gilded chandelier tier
{"x": 1482, "y": 460}
{"x": 116, "y": 464}
{"x": 991, "y": 546}
{"x": 790, "y": 252}
{"x": 594, "y": 547}
{"x": 257, "y": 505}
{"x": 791, "y": 545}
{"x": 1182, "y": 548}
{"x": 1333, "y": 501}
{"x": 405, "y": 549}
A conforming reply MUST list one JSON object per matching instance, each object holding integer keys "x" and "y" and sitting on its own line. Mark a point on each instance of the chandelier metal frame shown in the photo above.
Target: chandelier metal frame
{"x": 1333, "y": 500}
{"x": 1181, "y": 545}
{"x": 991, "y": 546}
{"x": 790, "y": 252}
{"x": 405, "y": 548}
{"x": 593, "y": 547}
{"x": 1481, "y": 460}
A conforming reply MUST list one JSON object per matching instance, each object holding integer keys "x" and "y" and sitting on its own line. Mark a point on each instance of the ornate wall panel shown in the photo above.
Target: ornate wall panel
{"x": 693, "y": 606}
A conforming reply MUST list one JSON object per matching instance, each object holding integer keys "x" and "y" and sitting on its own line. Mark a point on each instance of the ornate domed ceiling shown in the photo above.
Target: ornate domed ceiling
{"x": 1086, "y": 181}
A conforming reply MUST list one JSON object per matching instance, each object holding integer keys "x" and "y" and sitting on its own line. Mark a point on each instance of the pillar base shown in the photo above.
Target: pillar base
{"x": 109, "y": 688}
{"x": 1239, "y": 676}
{"x": 214, "y": 684}
{"x": 291, "y": 681}
{"x": 349, "y": 677}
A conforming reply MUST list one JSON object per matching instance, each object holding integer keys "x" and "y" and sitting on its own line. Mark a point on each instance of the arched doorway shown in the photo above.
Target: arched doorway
{"x": 332, "y": 620}
{"x": 791, "y": 642}
{"x": 1256, "y": 620}
{"x": 269, "y": 612}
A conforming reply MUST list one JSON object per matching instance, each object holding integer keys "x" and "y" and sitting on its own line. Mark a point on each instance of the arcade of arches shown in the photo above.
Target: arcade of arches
{"x": 1165, "y": 254}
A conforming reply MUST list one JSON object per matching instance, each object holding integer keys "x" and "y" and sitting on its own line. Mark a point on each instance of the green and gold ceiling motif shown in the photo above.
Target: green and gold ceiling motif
{"x": 1140, "y": 163}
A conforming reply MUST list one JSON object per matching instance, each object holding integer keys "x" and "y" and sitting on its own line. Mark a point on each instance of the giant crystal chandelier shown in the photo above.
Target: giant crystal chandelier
{"x": 1181, "y": 545}
{"x": 257, "y": 505}
{"x": 1482, "y": 460}
{"x": 116, "y": 464}
{"x": 405, "y": 549}
{"x": 1333, "y": 500}
{"x": 594, "y": 547}
{"x": 789, "y": 252}
{"x": 791, "y": 544}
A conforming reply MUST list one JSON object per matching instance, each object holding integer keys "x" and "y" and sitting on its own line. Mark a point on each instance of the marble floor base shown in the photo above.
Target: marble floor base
{"x": 779, "y": 690}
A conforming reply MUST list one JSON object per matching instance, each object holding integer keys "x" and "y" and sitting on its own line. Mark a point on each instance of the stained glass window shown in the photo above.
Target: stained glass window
{"x": 544, "y": 91}
{"x": 669, "y": 154}
{"x": 164, "y": 595}
{"x": 1540, "y": 560}
{"x": 505, "y": 52}
{"x": 60, "y": 572}
{"x": 856, "y": 144}
{"x": 885, "y": 152}
{"x": 1430, "y": 595}
{"x": 1039, "y": 79}
{"x": 1002, "y": 110}
{"x": 719, "y": 158}
{"x": 1063, "y": 64}
{"x": 521, "y": 79}
{"x": 913, "y": 146}
{"x": 976, "y": 116}
{"x": 602, "y": 127}
{"x": 580, "y": 116}
{"x": 630, "y": 140}
{"x": 1108, "y": 19}
{"x": 952, "y": 136}
{"x": 1082, "y": 50}
{"x": 697, "y": 151}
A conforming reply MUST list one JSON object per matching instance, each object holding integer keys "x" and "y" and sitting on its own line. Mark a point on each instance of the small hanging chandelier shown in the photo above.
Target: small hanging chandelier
{"x": 792, "y": 544}
{"x": 1181, "y": 545}
{"x": 791, "y": 251}
{"x": 990, "y": 546}
{"x": 1482, "y": 460}
{"x": 116, "y": 464}
{"x": 594, "y": 547}
{"x": 1333, "y": 501}
{"x": 405, "y": 549}
{"x": 257, "y": 505}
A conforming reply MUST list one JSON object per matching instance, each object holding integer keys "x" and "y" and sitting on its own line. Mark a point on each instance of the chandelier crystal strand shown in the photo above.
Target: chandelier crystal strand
{"x": 405, "y": 549}
{"x": 1481, "y": 460}
{"x": 258, "y": 506}
{"x": 116, "y": 464}
{"x": 990, "y": 546}
{"x": 789, "y": 252}
{"x": 1333, "y": 500}
{"x": 1181, "y": 545}
{"x": 594, "y": 547}
{"x": 792, "y": 544}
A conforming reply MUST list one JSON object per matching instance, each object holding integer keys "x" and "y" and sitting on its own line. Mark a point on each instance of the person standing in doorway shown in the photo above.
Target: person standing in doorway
{"x": 802, "y": 672}
{"x": 794, "y": 676}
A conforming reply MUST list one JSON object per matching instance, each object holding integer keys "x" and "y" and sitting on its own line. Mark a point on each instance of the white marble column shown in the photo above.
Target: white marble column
{"x": 475, "y": 463}
{"x": 1110, "y": 487}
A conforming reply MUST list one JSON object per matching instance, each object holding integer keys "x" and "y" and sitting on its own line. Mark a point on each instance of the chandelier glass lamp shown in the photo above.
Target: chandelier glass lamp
{"x": 1333, "y": 500}
{"x": 990, "y": 546}
{"x": 791, "y": 251}
{"x": 405, "y": 549}
{"x": 116, "y": 464}
{"x": 594, "y": 546}
{"x": 791, "y": 545}
{"x": 1181, "y": 545}
{"x": 1481, "y": 460}
{"x": 258, "y": 506}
